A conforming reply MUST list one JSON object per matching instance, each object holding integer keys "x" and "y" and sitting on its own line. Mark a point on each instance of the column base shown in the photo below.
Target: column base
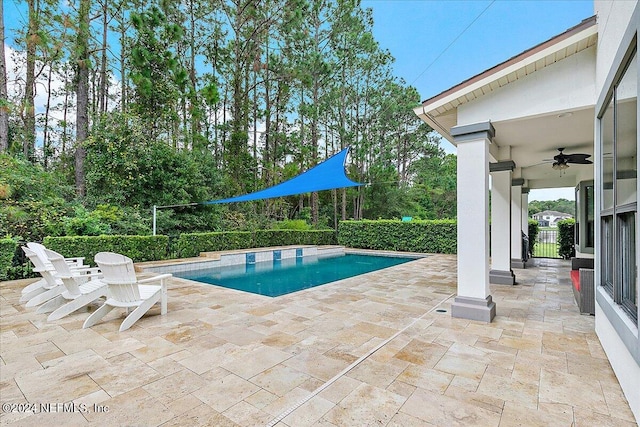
{"x": 500, "y": 277}
{"x": 518, "y": 263}
{"x": 480, "y": 309}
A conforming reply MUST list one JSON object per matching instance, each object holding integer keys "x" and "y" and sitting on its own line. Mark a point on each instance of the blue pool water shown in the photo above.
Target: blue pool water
{"x": 275, "y": 278}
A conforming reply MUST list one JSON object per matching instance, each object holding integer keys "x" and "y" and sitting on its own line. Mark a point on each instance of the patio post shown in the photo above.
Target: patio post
{"x": 525, "y": 210}
{"x": 473, "y": 300}
{"x": 501, "y": 272}
{"x": 516, "y": 223}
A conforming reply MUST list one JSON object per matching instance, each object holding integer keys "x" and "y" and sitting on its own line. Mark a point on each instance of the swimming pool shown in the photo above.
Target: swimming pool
{"x": 279, "y": 277}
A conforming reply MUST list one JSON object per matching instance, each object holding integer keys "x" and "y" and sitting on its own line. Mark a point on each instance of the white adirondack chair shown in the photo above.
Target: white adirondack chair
{"x": 126, "y": 291}
{"x": 42, "y": 285}
{"x": 79, "y": 292}
{"x": 39, "y": 249}
{"x": 51, "y": 286}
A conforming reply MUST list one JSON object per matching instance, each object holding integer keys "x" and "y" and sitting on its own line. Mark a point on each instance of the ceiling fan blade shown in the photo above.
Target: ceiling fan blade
{"x": 580, "y": 161}
{"x": 578, "y": 158}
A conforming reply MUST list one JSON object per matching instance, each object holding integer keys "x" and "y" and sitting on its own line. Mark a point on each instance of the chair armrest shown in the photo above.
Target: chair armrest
{"x": 87, "y": 271}
{"x": 96, "y": 274}
{"x": 156, "y": 278}
{"x": 75, "y": 260}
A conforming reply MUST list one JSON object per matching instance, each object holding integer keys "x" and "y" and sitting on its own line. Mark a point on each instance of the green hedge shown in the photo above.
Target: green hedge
{"x": 138, "y": 248}
{"x": 153, "y": 248}
{"x": 566, "y": 238}
{"x": 533, "y": 233}
{"x": 436, "y": 236}
{"x": 7, "y": 251}
{"x": 266, "y": 238}
{"x": 191, "y": 244}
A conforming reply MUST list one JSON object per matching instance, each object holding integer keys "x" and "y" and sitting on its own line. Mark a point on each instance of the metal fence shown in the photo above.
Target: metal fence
{"x": 546, "y": 245}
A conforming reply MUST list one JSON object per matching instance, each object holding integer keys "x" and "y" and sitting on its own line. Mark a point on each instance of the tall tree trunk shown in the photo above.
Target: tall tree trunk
{"x": 123, "y": 64}
{"x": 47, "y": 134}
{"x": 65, "y": 110}
{"x": 196, "y": 118}
{"x": 82, "y": 93}
{"x": 4, "y": 108}
{"x": 29, "y": 116}
{"x": 334, "y": 196}
{"x": 103, "y": 82}
{"x": 267, "y": 119}
{"x": 314, "y": 157}
{"x": 300, "y": 203}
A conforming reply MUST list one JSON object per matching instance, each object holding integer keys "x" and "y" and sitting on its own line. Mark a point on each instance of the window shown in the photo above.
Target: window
{"x": 585, "y": 220}
{"x": 589, "y": 203}
{"x": 618, "y": 217}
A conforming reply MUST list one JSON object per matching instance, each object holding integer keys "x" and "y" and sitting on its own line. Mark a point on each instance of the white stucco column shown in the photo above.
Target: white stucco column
{"x": 525, "y": 210}
{"x": 516, "y": 223}
{"x": 501, "y": 272}
{"x": 473, "y": 300}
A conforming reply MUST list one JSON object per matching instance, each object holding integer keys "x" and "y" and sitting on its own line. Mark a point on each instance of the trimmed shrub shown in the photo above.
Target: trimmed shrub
{"x": 7, "y": 251}
{"x": 266, "y": 238}
{"x": 533, "y": 233}
{"x": 430, "y": 236}
{"x": 566, "y": 242}
{"x": 191, "y": 244}
{"x": 153, "y": 248}
{"x": 292, "y": 224}
{"x": 138, "y": 248}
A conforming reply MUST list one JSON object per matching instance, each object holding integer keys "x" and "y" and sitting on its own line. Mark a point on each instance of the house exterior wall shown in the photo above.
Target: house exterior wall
{"x": 567, "y": 84}
{"x": 618, "y": 24}
{"x": 614, "y": 17}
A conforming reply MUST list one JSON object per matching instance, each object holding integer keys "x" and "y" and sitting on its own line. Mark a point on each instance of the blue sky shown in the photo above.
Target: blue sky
{"x": 417, "y": 32}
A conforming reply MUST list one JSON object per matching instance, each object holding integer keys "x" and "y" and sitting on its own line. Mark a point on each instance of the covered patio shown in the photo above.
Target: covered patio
{"x": 574, "y": 94}
{"x": 508, "y": 123}
{"x": 230, "y": 358}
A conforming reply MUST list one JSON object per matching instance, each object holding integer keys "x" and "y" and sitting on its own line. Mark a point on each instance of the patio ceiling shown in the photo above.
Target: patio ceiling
{"x": 535, "y": 140}
{"x": 537, "y": 102}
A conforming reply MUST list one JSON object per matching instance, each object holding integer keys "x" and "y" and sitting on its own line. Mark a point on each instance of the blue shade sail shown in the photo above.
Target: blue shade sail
{"x": 327, "y": 175}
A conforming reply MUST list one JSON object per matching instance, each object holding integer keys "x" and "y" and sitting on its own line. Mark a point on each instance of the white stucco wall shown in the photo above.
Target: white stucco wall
{"x": 626, "y": 369}
{"x": 565, "y": 85}
{"x": 613, "y": 19}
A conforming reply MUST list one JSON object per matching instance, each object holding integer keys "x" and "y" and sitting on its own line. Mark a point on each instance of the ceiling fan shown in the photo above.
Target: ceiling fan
{"x": 561, "y": 161}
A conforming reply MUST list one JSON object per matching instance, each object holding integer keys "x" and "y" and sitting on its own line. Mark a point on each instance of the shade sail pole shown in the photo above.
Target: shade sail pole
{"x": 155, "y": 210}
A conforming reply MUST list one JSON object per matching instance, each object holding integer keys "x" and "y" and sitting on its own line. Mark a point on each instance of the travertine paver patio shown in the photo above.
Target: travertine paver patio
{"x": 227, "y": 358}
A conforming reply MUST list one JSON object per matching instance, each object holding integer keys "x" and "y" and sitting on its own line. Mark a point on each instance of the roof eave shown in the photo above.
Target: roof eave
{"x": 585, "y": 29}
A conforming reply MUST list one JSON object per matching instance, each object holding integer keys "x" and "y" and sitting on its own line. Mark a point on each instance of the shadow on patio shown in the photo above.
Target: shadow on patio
{"x": 223, "y": 357}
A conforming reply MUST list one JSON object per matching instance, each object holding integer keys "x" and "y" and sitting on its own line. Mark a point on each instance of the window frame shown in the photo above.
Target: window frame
{"x": 582, "y": 229}
{"x": 614, "y": 230}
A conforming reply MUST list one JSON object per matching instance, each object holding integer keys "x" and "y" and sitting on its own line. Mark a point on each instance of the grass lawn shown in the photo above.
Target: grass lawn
{"x": 546, "y": 250}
